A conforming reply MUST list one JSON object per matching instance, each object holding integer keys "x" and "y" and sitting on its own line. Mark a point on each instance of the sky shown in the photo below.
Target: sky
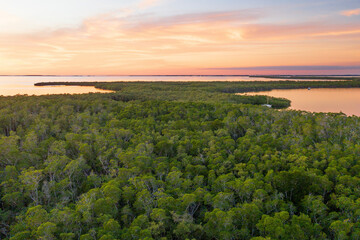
{"x": 172, "y": 37}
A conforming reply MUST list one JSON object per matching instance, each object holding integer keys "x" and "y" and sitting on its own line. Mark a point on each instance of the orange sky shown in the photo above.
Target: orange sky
{"x": 217, "y": 42}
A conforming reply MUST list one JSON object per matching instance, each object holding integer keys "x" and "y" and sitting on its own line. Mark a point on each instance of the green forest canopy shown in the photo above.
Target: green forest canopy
{"x": 176, "y": 161}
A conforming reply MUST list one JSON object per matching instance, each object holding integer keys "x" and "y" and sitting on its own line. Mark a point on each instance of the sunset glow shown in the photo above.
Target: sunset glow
{"x": 156, "y": 37}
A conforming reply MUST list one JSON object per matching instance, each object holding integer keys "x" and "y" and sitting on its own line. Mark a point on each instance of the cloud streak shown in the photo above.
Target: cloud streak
{"x": 235, "y": 16}
{"x": 352, "y": 12}
{"x": 121, "y": 42}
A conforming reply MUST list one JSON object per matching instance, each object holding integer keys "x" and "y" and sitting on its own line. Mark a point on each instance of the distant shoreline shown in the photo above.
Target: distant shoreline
{"x": 126, "y": 75}
{"x": 262, "y": 76}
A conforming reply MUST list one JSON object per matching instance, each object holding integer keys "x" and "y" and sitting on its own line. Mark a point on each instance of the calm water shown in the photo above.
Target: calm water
{"x": 315, "y": 100}
{"x": 12, "y": 85}
{"x": 346, "y": 100}
{"x": 12, "y": 89}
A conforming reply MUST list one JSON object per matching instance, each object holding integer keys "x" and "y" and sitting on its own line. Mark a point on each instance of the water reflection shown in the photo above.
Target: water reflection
{"x": 11, "y": 90}
{"x": 346, "y": 100}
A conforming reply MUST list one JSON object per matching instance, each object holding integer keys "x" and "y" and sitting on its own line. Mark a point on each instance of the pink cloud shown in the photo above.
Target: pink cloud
{"x": 352, "y": 12}
{"x": 116, "y": 43}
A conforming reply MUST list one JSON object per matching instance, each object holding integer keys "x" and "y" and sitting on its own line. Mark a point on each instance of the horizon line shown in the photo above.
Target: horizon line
{"x": 167, "y": 75}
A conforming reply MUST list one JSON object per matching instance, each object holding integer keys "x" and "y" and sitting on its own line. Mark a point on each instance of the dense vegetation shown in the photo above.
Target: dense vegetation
{"x": 310, "y": 77}
{"x": 136, "y": 165}
{"x": 181, "y": 91}
{"x": 215, "y": 91}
